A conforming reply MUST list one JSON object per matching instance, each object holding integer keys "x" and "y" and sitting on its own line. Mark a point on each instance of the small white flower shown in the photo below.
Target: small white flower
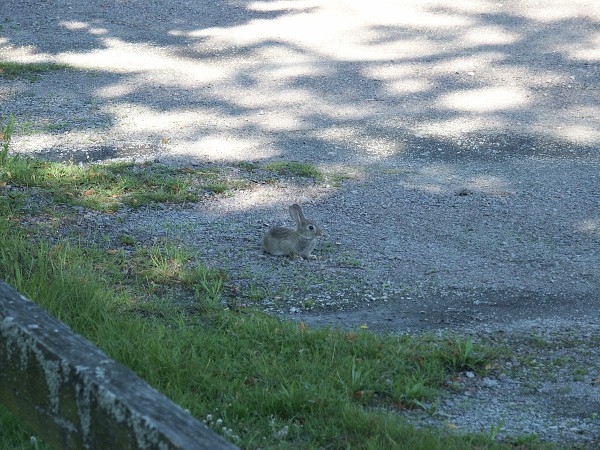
{"x": 282, "y": 433}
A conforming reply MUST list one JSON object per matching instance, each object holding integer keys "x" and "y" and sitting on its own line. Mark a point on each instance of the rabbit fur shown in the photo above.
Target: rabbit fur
{"x": 280, "y": 241}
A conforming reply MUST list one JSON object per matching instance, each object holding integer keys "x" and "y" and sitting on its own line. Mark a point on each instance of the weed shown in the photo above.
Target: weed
{"x": 336, "y": 179}
{"x": 277, "y": 384}
{"x": 105, "y": 187}
{"x": 579, "y": 373}
{"x": 495, "y": 429}
{"x": 464, "y": 355}
{"x": 92, "y": 103}
{"x": 29, "y": 71}
{"x": 308, "y": 303}
{"x": 27, "y": 128}
{"x": 412, "y": 391}
{"x": 397, "y": 171}
{"x": 211, "y": 283}
{"x": 350, "y": 261}
{"x": 6, "y": 132}
{"x": 217, "y": 188}
{"x": 59, "y": 126}
{"x": 256, "y": 293}
{"x": 528, "y": 441}
{"x": 127, "y": 239}
{"x": 248, "y": 166}
{"x": 539, "y": 342}
{"x": 168, "y": 265}
{"x": 563, "y": 390}
{"x": 295, "y": 169}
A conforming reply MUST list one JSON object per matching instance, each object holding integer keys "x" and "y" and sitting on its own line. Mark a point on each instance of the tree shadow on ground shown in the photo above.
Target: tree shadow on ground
{"x": 313, "y": 85}
{"x": 457, "y": 93}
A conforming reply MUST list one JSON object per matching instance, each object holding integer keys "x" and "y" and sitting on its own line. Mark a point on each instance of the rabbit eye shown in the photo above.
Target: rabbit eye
{"x": 311, "y": 227}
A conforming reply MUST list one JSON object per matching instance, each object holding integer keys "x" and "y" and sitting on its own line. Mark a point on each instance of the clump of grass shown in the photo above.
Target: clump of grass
{"x": 30, "y": 71}
{"x": 104, "y": 187}
{"x": 127, "y": 239}
{"x": 295, "y": 169}
{"x": 216, "y": 187}
{"x": 6, "y": 132}
{"x": 290, "y": 169}
{"x": 167, "y": 264}
{"x": 248, "y": 166}
{"x": 108, "y": 187}
{"x": 463, "y": 354}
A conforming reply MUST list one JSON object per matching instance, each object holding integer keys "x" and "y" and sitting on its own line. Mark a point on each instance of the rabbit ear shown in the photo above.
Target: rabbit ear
{"x": 300, "y": 212}
{"x": 296, "y": 213}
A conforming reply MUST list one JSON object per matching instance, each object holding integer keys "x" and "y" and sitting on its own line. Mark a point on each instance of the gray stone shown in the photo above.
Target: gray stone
{"x": 75, "y": 397}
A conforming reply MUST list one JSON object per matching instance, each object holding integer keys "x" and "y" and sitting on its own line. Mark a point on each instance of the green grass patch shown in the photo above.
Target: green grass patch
{"x": 107, "y": 187}
{"x": 6, "y": 131}
{"x": 57, "y": 127}
{"x": 169, "y": 265}
{"x": 104, "y": 187}
{"x": 295, "y": 169}
{"x": 29, "y": 71}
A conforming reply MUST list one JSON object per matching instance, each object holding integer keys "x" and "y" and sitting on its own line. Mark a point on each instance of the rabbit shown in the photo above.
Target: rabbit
{"x": 281, "y": 241}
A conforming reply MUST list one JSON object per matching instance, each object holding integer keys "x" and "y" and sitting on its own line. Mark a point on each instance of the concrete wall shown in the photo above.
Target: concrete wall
{"x": 75, "y": 397}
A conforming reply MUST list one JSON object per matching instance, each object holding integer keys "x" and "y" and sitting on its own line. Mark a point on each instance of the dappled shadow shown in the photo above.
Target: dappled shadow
{"x": 312, "y": 81}
{"x": 473, "y": 127}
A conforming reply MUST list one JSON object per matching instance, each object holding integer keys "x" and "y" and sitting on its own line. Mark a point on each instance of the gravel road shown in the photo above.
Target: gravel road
{"x": 464, "y": 136}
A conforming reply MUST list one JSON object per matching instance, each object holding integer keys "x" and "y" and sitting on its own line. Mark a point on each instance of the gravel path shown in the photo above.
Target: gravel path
{"x": 461, "y": 138}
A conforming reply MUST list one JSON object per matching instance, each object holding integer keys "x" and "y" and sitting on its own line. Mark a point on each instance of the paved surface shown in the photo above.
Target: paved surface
{"x": 471, "y": 129}
{"x": 474, "y": 125}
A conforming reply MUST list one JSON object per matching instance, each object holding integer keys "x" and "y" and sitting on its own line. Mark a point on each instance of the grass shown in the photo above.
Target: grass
{"x": 101, "y": 187}
{"x": 168, "y": 265}
{"x": 6, "y": 133}
{"x": 29, "y": 71}
{"x": 302, "y": 171}
{"x": 347, "y": 259}
{"x": 260, "y": 381}
{"x": 295, "y": 169}
{"x": 108, "y": 187}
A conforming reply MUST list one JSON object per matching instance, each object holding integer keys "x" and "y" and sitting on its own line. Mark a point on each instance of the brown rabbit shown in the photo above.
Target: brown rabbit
{"x": 281, "y": 241}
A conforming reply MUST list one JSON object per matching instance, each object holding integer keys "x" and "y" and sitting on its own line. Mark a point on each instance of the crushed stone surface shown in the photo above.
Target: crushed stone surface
{"x": 462, "y": 138}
